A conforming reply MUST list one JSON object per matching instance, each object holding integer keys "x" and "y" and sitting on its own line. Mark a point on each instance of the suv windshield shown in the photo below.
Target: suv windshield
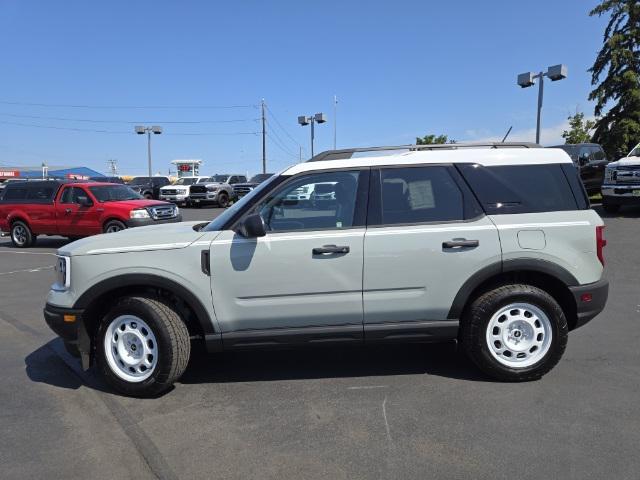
{"x": 261, "y": 177}
{"x": 113, "y": 193}
{"x": 186, "y": 181}
{"x": 140, "y": 181}
{"x": 219, "y": 178}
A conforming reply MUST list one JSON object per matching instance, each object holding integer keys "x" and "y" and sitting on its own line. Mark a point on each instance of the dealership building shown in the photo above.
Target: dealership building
{"x": 51, "y": 171}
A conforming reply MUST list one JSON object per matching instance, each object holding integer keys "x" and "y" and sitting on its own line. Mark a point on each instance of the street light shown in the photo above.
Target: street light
{"x": 557, "y": 72}
{"x": 141, "y": 130}
{"x": 312, "y": 119}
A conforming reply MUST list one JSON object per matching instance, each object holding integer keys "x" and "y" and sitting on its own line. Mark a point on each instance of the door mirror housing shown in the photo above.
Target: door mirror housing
{"x": 253, "y": 226}
{"x": 84, "y": 201}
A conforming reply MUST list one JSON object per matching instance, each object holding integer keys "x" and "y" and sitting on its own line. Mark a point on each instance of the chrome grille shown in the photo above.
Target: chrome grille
{"x": 242, "y": 190}
{"x": 163, "y": 212}
{"x": 168, "y": 191}
{"x": 627, "y": 175}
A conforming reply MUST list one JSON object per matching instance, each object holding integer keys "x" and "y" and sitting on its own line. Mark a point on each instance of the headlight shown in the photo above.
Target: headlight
{"x": 176, "y": 211}
{"x": 181, "y": 191}
{"x": 62, "y": 271}
{"x": 139, "y": 213}
{"x": 212, "y": 188}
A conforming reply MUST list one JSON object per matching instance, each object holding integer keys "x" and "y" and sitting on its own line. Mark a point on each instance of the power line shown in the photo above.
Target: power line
{"x": 281, "y": 127}
{"x": 118, "y": 132}
{"x": 282, "y": 149}
{"x": 278, "y": 138}
{"x": 115, "y": 107}
{"x": 67, "y": 119}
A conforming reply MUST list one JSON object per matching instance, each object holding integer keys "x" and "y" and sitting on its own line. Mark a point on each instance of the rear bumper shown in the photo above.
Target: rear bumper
{"x": 143, "y": 222}
{"x": 590, "y": 300}
{"x": 68, "y": 324}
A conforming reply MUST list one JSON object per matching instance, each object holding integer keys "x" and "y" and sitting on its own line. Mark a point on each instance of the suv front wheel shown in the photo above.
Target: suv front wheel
{"x": 515, "y": 332}
{"x": 143, "y": 346}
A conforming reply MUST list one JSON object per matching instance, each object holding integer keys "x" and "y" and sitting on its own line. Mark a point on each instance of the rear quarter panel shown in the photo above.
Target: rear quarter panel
{"x": 567, "y": 239}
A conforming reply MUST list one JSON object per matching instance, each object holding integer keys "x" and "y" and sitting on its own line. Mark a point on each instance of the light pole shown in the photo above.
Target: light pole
{"x": 557, "y": 72}
{"x": 141, "y": 130}
{"x": 312, "y": 119}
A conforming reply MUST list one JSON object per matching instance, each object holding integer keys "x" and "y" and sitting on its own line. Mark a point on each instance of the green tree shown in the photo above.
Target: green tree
{"x": 618, "y": 129}
{"x": 433, "y": 140}
{"x": 579, "y": 129}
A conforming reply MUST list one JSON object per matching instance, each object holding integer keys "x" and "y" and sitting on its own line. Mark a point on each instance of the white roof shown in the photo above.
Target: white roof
{"x": 482, "y": 156}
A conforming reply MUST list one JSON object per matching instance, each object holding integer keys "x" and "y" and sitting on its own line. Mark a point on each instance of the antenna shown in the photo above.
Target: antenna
{"x": 507, "y": 134}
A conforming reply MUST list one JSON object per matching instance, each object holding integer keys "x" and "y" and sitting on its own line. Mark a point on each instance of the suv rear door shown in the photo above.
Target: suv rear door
{"x": 426, "y": 236}
{"x": 306, "y": 271}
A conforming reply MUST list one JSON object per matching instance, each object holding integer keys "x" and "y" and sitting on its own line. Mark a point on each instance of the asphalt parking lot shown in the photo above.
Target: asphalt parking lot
{"x": 387, "y": 412}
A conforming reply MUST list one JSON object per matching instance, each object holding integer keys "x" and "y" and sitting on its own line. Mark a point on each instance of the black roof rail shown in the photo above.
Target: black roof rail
{"x": 349, "y": 152}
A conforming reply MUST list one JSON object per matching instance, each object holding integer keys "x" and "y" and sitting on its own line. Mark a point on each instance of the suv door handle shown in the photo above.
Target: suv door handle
{"x": 328, "y": 249}
{"x": 460, "y": 243}
{"x": 67, "y": 210}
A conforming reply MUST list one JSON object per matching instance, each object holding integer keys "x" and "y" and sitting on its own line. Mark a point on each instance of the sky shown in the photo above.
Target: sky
{"x": 77, "y": 76}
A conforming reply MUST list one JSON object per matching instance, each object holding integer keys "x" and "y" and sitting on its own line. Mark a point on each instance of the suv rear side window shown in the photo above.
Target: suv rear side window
{"x": 15, "y": 192}
{"x": 520, "y": 188}
{"x": 419, "y": 195}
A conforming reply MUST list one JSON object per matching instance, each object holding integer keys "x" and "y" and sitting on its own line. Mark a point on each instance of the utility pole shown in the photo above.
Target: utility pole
{"x": 335, "y": 120}
{"x": 113, "y": 167}
{"x": 264, "y": 141}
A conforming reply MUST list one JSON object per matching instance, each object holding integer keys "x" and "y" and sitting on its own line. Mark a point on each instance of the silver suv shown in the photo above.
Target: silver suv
{"x": 492, "y": 245}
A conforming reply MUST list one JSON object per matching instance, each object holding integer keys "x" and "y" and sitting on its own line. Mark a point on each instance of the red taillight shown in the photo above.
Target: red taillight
{"x": 600, "y": 243}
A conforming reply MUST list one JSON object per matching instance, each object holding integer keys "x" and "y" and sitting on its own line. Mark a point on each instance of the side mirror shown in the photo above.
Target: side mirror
{"x": 253, "y": 226}
{"x": 84, "y": 201}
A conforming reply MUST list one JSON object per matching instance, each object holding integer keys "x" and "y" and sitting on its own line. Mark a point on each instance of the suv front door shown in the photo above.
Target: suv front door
{"x": 306, "y": 271}
{"x": 426, "y": 237}
{"x": 75, "y": 219}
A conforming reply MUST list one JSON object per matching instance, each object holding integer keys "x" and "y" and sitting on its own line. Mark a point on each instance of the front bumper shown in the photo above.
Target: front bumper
{"x": 590, "y": 300}
{"x": 143, "y": 222}
{"x": 621, "y": 194}
{"x": 68, "y": 324}
{"x": 182, "y": 199}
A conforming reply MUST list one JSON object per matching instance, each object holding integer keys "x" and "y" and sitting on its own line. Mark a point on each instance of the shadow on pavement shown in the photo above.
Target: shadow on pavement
{"x": 625, "y": 211}
{"x": 51, "y": 364}
{"x": 332, "y": 362}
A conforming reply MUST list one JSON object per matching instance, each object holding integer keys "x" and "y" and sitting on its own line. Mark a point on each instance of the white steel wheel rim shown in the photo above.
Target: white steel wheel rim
{"x": 19, "y": 234}
{"x": 131, "y": 348}
{"x": 519, "y": 335}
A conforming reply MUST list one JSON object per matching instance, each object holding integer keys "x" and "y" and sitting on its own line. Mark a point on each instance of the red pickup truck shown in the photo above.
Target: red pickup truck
{"x": 29, "y": 209}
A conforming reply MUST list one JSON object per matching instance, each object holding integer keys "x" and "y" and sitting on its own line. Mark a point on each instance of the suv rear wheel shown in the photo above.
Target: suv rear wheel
{"x": 21, "y": 235}
{"x": 515, "y": 332}
{"x": 143, "y": 346}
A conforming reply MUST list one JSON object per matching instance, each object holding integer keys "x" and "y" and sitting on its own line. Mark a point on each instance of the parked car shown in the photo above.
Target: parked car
{"x": 149, "y": 187}
{"x": 591, "y": 161}
{"x": 218, "y": 189}
{"x": 107, "y": 179}
{"x": 72, "y": 209}
{"x": 178, "y": 192}
{"x": 241, "y": 189}
{"x": 496, "y": 247}
{"x": 622, "y": 182}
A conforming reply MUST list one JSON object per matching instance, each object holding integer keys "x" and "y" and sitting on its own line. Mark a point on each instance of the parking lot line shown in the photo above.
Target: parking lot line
{"x": 37, "y": 269}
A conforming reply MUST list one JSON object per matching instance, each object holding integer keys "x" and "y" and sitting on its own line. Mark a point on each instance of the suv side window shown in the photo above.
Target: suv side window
{"x": 316, "y": 201}
{"x": 233, "y": 180}
{"x": 71, "y": 194}
{"x": 17, "y": 192}
{"x": 419, "y": 195}
{"x": 40, "y": 193}
{"x": 521, "y": 188}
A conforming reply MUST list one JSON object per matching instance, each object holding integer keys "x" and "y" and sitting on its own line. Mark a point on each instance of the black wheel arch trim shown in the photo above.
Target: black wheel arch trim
{"x": 512, "y": 265}
{"x": 148, "y": 280}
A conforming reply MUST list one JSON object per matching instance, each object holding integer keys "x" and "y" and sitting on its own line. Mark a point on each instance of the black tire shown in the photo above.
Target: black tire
{"x": 113, "y": 226}
{"x": 21, "y": 235}
{"x": 476, "y": 320}
{"x": 74, "y": 238}
{"x": 223, "y": 200}
{"x": 610, "y": 207}
{"x": 173, "y": 345}
{"x": 148, "y": 196}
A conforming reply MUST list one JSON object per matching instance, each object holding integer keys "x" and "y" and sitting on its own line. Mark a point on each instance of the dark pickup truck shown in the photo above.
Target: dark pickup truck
{"x": 590, "y": 160}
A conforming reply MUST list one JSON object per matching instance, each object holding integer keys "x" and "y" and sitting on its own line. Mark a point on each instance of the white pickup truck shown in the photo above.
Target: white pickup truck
{"x": 622, "y": 182}
{"x": 179, "y": 191}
